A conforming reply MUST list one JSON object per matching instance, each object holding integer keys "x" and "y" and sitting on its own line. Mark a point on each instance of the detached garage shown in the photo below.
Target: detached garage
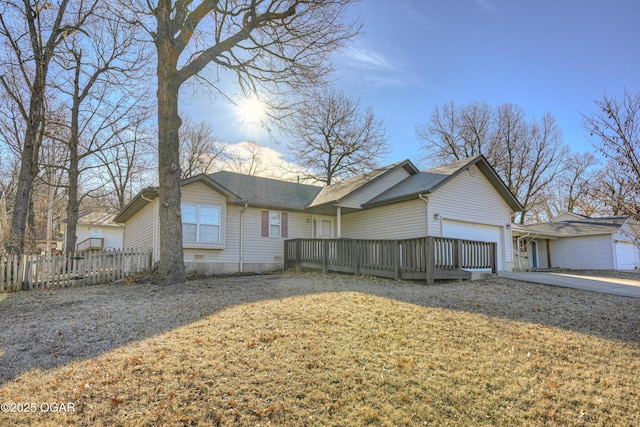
{"x": 577, "y": 242}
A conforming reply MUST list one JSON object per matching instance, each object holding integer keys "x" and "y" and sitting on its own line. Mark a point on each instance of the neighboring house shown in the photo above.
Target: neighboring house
{"x": 578, "y": 242}
{"x": 95, "y": 231}
{"x": 234, "y": 223}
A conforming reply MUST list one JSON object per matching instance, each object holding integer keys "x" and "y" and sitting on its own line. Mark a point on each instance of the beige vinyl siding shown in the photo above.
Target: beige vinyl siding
{"x": 398, "y": 221}
{"x": 231, "y": 251}
{"x": 139, "y": 229}
{"x": 471, "y": 198}
{"x": 258, "y": 249}
{"x": 259, "y": 253}
{"x": 201, "y": 194}
{"x": 372, "y": 190}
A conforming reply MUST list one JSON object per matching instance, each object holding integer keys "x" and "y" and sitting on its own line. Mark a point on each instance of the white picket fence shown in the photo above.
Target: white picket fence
{"x": 60, "y": 271}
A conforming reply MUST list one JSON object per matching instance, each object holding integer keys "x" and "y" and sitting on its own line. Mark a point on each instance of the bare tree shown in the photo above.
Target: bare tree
{"x": 125, "y": 167}
{"x": 527, "y": 154}
{"x": 102, "y": 64}
{"x": 571, "y": 190}
{"x": 199, "y": 148}
{"x": 542, "y": 160}
{"x": 616, "y": 129}
{"x": 334, "y": 138}
{"x": 9, "y": 164}
{"x": 575, "y": 179}
{"x": 455, "y": 133}
{"x": 274, "y": 44}
{"x": 611, "y": 192}
{"x": 31, "y": 32}
{"x": 244, "y": 158}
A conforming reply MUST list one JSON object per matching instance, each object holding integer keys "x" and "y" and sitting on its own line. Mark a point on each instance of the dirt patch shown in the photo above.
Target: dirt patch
{"x": 311, "y": 350}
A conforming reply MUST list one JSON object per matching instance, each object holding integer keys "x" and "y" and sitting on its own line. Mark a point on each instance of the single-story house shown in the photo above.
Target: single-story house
{"x": 234, "y": 222}
{"x": 578, "y": 242}
{"x": 95, "y": 231}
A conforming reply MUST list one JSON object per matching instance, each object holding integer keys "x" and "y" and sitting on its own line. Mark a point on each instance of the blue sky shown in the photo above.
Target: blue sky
{"x": 545, "y": 56}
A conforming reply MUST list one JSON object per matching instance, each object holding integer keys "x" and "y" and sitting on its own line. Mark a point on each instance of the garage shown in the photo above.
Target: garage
{"x": 625, "y": 255}
{"x": 474, "y": 231}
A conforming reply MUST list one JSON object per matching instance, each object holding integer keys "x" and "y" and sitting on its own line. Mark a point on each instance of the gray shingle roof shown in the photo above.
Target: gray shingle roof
{"x": 586, "y": 227}
{"x": 95, "y": 218}
{"x": 267, "y": 192}
{"x": 335, "y": 192}
{"x": 431, "y": 179}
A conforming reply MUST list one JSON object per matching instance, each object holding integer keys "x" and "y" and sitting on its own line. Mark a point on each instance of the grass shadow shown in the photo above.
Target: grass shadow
{"x": 48, "y": 329}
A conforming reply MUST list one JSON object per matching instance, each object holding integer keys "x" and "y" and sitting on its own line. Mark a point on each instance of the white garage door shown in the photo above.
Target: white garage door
{"x": 473, "y": 231}
{"x": 625, "y": 256}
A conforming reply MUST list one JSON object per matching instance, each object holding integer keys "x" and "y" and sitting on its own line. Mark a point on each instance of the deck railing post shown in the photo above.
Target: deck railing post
{"x": 325, "y": 255}
{"x": 298, "y": 255}
{"x": 395, "y": 262}
{"x": 430, "y": 262}
{"x": 457, "y": 253}
{"x": 355, "y": 256}
{"x": 494, "y": 257}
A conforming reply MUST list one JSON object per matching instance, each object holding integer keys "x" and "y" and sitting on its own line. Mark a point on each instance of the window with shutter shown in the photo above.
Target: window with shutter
{"x": 274, "y": 224}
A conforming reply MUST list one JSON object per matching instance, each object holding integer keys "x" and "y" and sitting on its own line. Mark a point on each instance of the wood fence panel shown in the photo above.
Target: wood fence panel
{"x": 37, "y": 272}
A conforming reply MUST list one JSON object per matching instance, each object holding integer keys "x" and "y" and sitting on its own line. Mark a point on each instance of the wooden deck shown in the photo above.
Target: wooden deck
{"x": 425, "y": 258}
{"x": 91, "y": 244}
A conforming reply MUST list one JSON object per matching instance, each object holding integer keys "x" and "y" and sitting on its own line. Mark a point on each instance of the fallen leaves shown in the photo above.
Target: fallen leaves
{"x": 353, "y": 357}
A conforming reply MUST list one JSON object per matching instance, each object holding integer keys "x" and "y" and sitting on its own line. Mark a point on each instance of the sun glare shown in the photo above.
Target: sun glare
{"x": 252, "y": 111}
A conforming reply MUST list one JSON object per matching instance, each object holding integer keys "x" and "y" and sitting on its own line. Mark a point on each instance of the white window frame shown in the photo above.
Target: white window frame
{"x": 199, "y": 224}
{"x": 275, "y": 224}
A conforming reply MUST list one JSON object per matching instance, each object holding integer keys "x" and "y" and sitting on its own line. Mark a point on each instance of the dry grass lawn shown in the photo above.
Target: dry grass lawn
{"x": 300, "y": 350}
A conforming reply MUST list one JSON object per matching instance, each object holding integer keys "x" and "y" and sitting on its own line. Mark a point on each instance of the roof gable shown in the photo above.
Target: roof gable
{"x": 335, "y": 193}
{"x": 432, "y": 179}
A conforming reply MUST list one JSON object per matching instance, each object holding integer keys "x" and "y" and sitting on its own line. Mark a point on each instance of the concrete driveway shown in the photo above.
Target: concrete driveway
{"x": 627, "y": 288}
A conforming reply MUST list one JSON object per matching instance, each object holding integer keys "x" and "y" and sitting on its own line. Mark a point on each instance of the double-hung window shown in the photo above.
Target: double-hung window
{"x": 200, "y": 224}
{"x": 275, "y": 224}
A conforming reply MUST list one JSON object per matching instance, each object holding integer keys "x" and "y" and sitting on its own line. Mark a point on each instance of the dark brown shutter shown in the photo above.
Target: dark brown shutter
{"x": 284, "y": 222}
{"x": 265, "y": 223}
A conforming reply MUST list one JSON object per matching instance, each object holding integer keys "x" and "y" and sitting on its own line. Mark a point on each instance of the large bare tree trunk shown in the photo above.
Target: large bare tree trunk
{"x": 73, "y": 205}
{"x": 171, "y": 269}
{"x": 28, "y": 172}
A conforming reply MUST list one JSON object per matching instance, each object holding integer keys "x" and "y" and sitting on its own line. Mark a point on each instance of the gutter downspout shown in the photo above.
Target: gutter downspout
{"x": 426, "y": 200}
{"x": 241, "y": 260}
{"x": 156, "y": 218}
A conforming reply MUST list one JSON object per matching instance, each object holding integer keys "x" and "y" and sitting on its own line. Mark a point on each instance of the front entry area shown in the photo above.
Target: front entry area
{"x": 322, "y": 227}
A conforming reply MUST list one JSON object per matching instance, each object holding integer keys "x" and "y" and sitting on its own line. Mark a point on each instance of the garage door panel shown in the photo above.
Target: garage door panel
{"x": 625, "y": 254}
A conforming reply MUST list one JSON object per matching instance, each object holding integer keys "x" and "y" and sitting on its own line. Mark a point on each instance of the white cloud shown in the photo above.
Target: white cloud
{"x": 485, "y": 4}
{"x": 366, "y": 65}
{"x": 254, "y": 159}
{"x": 367, "y": 58}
